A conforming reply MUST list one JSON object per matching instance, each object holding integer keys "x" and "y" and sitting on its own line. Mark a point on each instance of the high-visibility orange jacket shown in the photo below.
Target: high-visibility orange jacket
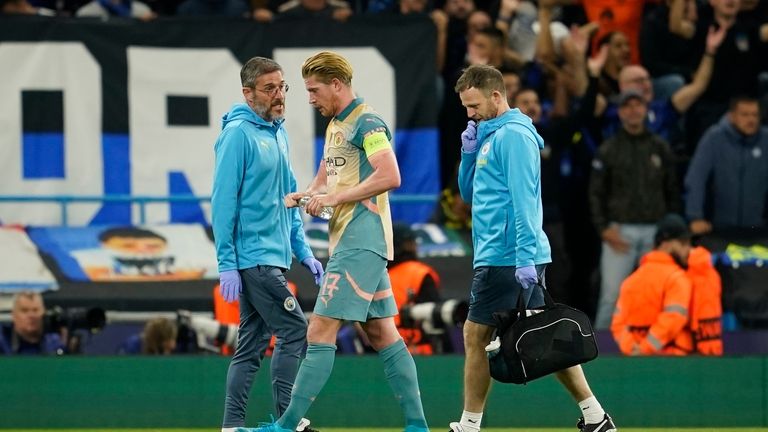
{"x": 406, "y": 279}
{"x": 706, "y": 303}
{"x": 651, "y": 314}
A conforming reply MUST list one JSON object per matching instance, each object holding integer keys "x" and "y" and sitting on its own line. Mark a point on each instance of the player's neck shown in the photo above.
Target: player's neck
{"x": 345, "y": 98}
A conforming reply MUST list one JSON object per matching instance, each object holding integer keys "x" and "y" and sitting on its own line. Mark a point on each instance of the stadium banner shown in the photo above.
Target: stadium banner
{"x": 124, "y": 108}
{"x": 129, "y": 254}
{"x": 21, "y": 268}
{"x": 175, "y": 252}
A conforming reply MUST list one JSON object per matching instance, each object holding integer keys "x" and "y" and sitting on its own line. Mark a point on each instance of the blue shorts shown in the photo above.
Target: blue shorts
{"x": 495, "y": 289}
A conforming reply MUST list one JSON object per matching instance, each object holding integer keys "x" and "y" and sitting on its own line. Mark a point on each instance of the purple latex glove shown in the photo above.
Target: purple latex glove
{"x": 527, "y": 276}
{"x": 230, "y": 285}
{"x": 315, "y": 267}
{"x": 469, "y": 137}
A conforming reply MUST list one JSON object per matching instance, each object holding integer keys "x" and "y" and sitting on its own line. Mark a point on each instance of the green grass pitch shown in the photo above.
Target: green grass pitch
{"x": 400, "y": 430}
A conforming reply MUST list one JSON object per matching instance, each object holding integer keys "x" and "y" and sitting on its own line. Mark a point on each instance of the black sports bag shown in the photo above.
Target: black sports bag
{"x": 538, "y": 342}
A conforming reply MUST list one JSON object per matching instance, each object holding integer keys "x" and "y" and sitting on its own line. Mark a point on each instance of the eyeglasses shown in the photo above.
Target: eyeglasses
{"x": 271, "y": 90}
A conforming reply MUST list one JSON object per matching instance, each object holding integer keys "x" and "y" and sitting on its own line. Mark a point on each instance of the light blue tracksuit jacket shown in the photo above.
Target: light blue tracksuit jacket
{"x": 251, "y": 225}
{"x": 502, "y": 180}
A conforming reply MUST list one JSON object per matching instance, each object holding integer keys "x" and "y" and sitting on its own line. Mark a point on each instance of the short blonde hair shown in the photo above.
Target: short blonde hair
{"x": 327, "y": 65}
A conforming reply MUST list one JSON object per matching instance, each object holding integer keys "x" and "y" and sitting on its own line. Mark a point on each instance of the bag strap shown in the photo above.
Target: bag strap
{"x": 548, "y": 302}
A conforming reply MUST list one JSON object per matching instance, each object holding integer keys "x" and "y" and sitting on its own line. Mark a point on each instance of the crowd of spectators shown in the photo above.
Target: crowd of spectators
{"x": 646, "y": 108}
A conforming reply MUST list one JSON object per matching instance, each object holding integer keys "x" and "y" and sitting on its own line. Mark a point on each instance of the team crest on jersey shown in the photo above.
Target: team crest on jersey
{"x": 486, "y": 148}
{"x": 289, "y": 304}
{"x": 338, "y": 139}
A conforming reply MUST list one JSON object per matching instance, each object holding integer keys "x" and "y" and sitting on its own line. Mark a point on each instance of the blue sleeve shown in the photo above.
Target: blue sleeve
{"x": 522, "y": 173}
{"x": 225, "y": 200}
{"x": 298, "y": 243}
{"x": 696, "y": 178}
{"x": 467, "y": 175}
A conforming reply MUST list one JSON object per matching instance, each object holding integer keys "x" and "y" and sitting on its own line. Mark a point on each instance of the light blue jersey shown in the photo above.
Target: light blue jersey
{"x": 502, "y": 180}
{"x": 251, "y": 225}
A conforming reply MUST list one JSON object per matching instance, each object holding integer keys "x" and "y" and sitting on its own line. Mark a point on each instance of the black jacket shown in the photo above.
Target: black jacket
{"x": 633, "y": 180}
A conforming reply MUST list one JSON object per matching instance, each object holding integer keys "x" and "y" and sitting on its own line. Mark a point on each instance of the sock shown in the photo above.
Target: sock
{"x": 593, "y": 412}
{"x": 470, "y": 421}
{"x": 401, "y": 374}
{"x": 313, "y": 374}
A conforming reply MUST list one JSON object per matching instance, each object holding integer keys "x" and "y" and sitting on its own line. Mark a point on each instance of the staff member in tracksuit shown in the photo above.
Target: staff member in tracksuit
{"x": 255, "y": 235}
{"x": 500, "y": 174}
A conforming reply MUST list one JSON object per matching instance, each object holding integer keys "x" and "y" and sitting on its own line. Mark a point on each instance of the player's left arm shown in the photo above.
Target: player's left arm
{"x": 385, "y": 176}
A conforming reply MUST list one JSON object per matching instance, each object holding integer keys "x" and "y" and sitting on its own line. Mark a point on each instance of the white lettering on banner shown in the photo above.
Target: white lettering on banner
{"x": 61, "y": 66}
{"x": 156, "y": 148}
{"x": 374, "y": 80}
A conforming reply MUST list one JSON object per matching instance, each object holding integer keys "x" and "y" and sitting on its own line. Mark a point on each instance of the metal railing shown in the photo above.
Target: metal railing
{"x": 142, "y": 201}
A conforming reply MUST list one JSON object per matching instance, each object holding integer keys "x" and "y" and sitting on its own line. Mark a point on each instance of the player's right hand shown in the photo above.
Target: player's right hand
{"x": 292, "y": 199}
{"x": 230, "y": 285}
{"x": 469, "y": 137}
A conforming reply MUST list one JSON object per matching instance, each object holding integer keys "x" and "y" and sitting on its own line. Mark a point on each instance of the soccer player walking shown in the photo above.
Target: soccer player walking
{"x": 500, "y": 174}
{"x": 357, "y": 170}
{"x": 255, "y": 236}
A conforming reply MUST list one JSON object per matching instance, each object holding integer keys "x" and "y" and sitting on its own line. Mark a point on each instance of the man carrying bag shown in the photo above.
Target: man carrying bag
{"x": 500, "y": 174}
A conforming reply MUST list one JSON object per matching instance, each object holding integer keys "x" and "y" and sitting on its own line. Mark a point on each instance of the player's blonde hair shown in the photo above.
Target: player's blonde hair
{"x": 327, "y": 65}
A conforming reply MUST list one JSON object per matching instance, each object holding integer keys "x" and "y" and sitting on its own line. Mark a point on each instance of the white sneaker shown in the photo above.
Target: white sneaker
{"x": 303, "y": 424}
{"x": 457, "y": 427}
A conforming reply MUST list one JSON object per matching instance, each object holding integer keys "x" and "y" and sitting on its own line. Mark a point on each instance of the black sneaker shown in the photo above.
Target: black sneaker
{"x": 604, "y": 426}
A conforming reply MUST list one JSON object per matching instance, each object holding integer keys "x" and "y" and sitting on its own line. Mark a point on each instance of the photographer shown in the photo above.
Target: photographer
{"x": 412, "y": 282}
{"x": 27, "y": 335}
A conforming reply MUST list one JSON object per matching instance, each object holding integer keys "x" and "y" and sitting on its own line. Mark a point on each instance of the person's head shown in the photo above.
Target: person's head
{"x": 459, "y": 9}
{"x": 264, "y": 87}
{"x": 637, "y": 78}
{"x": 512, "y": 84}
{"x": 672, "y": 236}
{"x": 412, "y": 6}
{"x": 27, "y": 315}
{"x": 744, "y": 115}
{"x": 481, "y": 90}
{"x": 727, "y": 9}
{"x": 487, "y": 44}
{"x": 527, "y": 101}
{"x": 159, "y": 337}
{"x": 328, "y": 80}
{"x": 477, "y": 20}
{"x": 133, "y": 241}
{"x": 632, "y": 111}
{"x": 619, "y": 52}
{"x": 404, "y": 242}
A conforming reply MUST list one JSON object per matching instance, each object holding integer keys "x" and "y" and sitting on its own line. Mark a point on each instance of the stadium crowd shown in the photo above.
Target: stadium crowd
{"x": 646, "y": 108}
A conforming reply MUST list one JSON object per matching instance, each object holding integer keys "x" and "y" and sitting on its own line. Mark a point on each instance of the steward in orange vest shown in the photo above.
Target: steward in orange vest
{"x": 652, "y": 312}
{"x": 706, "y": 303}
{"x": 412, "y": 282}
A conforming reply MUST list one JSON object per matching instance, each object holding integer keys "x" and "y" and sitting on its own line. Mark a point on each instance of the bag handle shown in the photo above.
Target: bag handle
{"x": 548, "y": 302}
